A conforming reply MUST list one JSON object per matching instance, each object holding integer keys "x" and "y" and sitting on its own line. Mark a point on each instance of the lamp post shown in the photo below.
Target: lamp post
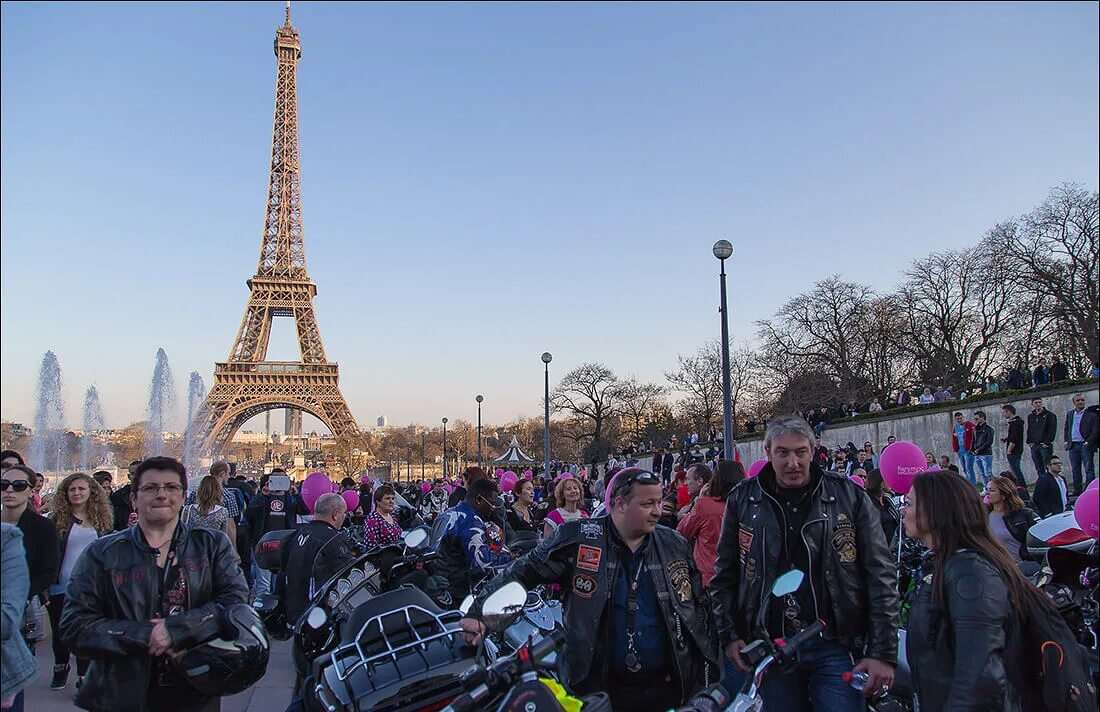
{"x": 547, "y": 357}
{"x": 422, "y": 455}
{"x": 723, "y": 250}
{"x": 444, "y": 448}
{"x": 479, "y": 399}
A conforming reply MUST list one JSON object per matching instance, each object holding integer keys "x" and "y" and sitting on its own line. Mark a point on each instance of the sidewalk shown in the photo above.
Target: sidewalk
{"x": 271, "y": 694}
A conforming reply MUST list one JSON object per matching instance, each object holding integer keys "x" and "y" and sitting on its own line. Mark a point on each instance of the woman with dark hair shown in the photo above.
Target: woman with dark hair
{"x": 381, "y": 529}
{"x": 966, "y": 642}
{"x": 81, "y": 513}
{"x": 727, "y": 475}
{"x": 519, "y": 514}
{"x": 879, "y": 492}
{"x": 1009, "y": 520}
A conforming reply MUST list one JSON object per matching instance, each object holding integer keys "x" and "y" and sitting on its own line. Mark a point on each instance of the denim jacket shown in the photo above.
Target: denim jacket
{"x": 17, "y": 666}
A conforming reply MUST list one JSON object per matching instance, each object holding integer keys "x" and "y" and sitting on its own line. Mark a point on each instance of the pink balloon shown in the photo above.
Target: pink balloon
{"x": 755, "y": 468}
{"x": 336, "y": 488}
{"x": 1095, "y": 484}
{"x": 364, "y": 478}
{"x": 450, "y": 489}
{"x": 498, "y": 473}
{"x": 508, "y": 481}
{"x": 527, "y": 474}
{"x": 313, "y": 487}
{"x": 351, "y": 498}
{"x": 858, "y": 480}
{"x": 1087, "y": 512}
{"x": 900, "y": 463}
{"x": 426, "y": 487}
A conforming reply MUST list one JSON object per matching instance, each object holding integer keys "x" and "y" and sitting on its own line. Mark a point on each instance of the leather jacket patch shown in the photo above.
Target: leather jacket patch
{"x": 844, "y": 539}
{"x": 679, "y": 577}
{"x": 744, "y": 539}
{"x": 588, "y": 557}
{"x": 584, "y": 585}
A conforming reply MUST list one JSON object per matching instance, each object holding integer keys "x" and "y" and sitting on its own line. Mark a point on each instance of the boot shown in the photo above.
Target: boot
{"x": 60, "y": 677}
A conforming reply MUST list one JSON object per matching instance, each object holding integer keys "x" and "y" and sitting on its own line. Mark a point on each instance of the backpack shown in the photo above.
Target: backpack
{"x": 1060, "y": 676}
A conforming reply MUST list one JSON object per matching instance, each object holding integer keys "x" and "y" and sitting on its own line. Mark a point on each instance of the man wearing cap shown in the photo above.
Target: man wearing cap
{"x": 637, "y": 618}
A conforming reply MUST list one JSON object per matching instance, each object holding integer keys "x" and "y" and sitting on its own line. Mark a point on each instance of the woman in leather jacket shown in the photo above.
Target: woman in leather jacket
{"x": 965, "y": 645}
{"x": 1009, "y": 520}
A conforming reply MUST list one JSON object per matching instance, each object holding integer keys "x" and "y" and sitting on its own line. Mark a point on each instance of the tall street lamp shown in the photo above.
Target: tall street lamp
{"x": 422, "y": 435}
{"x": 444, "y": 448}
{"x": 479, "y": 399}
{"x": 547, "y": 357}
{"x": 723, "y": 250}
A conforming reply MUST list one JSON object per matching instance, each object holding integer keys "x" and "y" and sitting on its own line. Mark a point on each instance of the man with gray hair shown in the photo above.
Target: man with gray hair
{"x": 795, "y": 515}
{"x": 314, "y": 553}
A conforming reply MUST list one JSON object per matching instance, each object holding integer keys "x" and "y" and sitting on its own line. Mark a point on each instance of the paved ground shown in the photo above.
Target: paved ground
{"x": 271, "y": 694}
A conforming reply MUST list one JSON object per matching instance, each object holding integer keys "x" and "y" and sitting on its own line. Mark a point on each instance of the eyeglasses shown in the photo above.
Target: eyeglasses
{"x": 17, "y": 485}
{"x": 155, "y": 489}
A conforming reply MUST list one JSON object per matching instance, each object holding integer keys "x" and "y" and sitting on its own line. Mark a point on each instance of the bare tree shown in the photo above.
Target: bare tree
{"x": 639, "y": 401}
{"x": 820, "y": 331}
{"x": 699, "y": 378}
{"x": 1054, "y": 252}
{"x": 591, "y": 394}
{"x": 956, "y": 311}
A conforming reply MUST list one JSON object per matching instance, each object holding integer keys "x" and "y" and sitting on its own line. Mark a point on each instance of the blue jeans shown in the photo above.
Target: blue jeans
{"x": 985, "y": 467}
{"x": 966, "y": 460}
{"x": 732, "y": 677}
{"x": 817, "y": 680}
{"x": 1081, "y": 454}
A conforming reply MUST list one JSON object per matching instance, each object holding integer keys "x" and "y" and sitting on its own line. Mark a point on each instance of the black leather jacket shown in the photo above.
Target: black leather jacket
{"x": 111, "y": 598}
{"x": 1018, "y": 523}
{"x": 314, "y": 553}
{"x": 587, "y": 586}
{"x": 961, "y": 653}
{"x": 843, "y": 534}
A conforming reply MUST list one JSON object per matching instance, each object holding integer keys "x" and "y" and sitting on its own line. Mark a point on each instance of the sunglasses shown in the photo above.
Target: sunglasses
{"x": 17, "y": 485}
{"x": 642, "y": 478}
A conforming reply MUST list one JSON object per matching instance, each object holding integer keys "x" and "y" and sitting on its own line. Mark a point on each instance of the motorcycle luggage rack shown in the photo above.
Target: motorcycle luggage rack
{"x": 429, "y": 629}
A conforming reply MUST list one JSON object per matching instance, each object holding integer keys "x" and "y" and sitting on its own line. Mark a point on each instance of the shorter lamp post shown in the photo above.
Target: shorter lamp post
{"x": 444, "y": 448}
{"x": 547, "y": 357}
{"x": 479, "y": 399}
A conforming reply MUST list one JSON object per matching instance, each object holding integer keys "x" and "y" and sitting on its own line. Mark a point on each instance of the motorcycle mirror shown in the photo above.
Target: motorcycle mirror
{"x": 416, "y": 538}
{"x": 316, "y": 618}
{"x": 503, "y": 603}
{"x": 466, "y": 604}
{"x": 787, "y": 583}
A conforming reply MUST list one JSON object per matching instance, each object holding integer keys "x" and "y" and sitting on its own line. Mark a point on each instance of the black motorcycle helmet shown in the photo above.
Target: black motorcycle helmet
{"x": 232, "y": 662}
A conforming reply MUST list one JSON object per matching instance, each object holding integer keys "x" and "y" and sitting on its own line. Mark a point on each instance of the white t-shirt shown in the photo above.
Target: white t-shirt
{"x": 80, "y": 537}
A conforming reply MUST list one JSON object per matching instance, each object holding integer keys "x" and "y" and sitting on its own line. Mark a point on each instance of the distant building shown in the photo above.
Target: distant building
{"x": 382, "y": 421}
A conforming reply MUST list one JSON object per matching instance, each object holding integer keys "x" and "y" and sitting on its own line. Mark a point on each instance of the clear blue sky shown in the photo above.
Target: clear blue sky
{"x": 485, "y": 182}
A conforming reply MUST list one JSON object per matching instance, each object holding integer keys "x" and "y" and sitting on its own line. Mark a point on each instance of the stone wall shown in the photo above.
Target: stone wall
{"x": 931, "y": 429}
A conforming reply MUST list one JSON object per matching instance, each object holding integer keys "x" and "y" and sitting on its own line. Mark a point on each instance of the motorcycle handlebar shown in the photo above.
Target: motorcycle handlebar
{"x": 787, "y": 647}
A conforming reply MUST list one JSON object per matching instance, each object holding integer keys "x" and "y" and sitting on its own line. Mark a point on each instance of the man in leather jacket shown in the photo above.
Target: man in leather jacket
{"x": 313, "y": 554}
{"x": 796, "y": 515}
{"x": 653, "y": 658}
{"x": 138, "y": 597}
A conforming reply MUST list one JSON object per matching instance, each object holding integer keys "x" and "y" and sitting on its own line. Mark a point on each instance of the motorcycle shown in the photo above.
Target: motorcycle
{"x": 541, "y": 616}
{"x": 513, "y": 683}
{"x": 378, "y": 571}
{"x": 1056, "y": 531}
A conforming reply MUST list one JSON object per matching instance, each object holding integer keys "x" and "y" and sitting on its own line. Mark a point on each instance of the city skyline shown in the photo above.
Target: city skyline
{"x": 464, "y": 213}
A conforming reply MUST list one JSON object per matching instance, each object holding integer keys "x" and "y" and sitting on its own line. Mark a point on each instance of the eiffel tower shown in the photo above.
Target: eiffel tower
{"x": 247, "y": 384}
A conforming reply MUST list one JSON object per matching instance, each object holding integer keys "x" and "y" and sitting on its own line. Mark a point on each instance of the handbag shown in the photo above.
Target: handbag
{"x": 32, "y": 629}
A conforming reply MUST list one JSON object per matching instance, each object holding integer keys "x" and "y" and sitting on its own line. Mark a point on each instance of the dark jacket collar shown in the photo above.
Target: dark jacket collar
{"x": 137, "y": 537}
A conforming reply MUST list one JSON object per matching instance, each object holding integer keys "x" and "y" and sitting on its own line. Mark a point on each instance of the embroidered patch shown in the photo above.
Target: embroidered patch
{"x": 584, "y": 585}
{"x": 744, "y": 539}
{"x": 591, "y": 529}
{"x": 844, "y": 541}
{"x": 588, "y": 558}
{"x": 276, "y": 505}
{"x": 679, "y": 575}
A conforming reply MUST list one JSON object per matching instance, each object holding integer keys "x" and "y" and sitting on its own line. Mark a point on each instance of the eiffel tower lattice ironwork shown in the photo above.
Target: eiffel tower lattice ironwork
{"x": 246, "y": 384}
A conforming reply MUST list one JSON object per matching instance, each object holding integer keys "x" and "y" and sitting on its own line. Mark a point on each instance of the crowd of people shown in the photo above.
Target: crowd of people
{"x": 663, "y": 564}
